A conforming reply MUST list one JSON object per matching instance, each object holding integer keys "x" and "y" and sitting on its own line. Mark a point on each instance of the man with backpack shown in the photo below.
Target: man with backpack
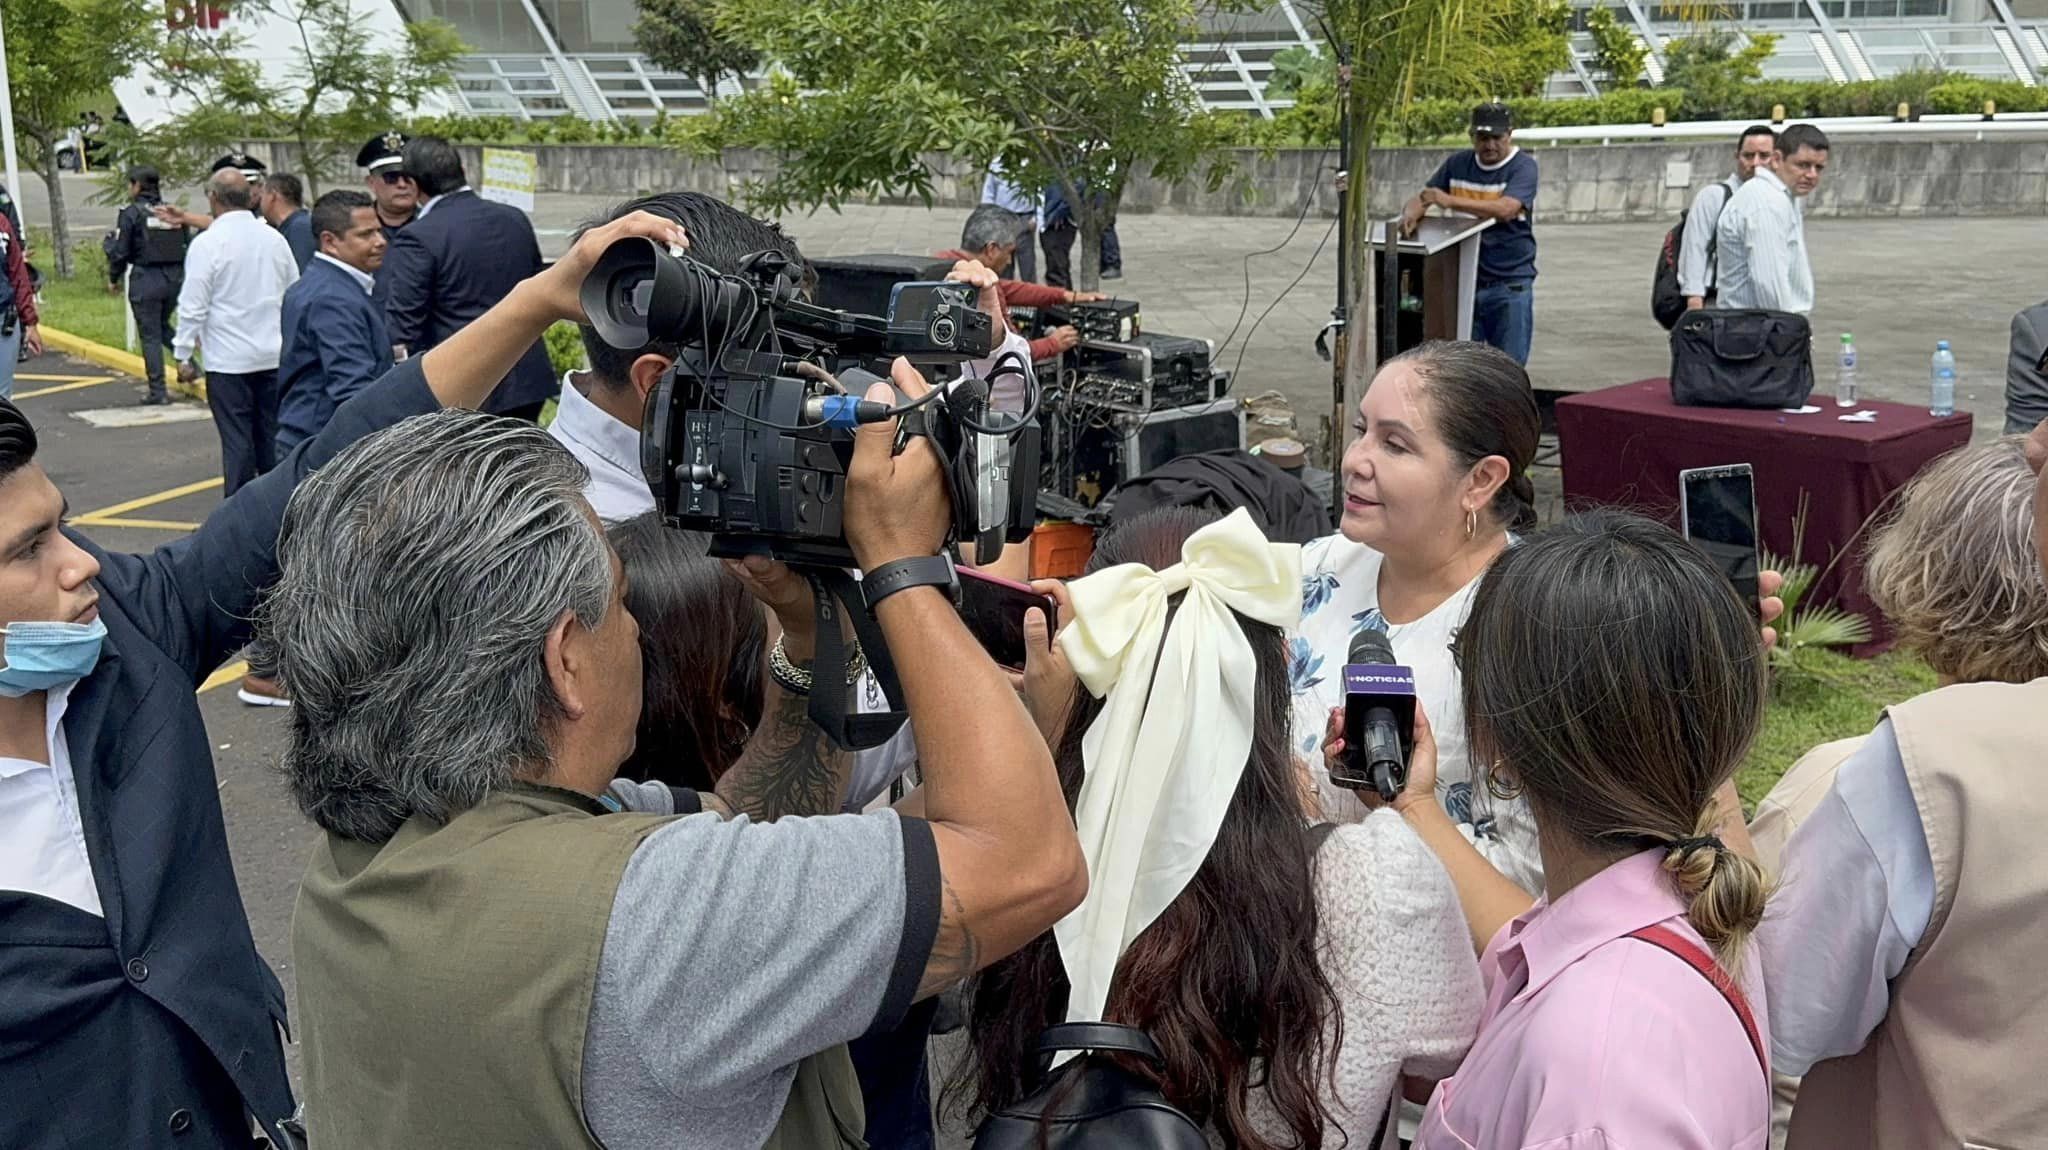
{"x": 1696, "y": 251}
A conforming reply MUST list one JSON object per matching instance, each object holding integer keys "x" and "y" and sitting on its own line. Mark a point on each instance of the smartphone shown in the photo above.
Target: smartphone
{"x": 993, "y": 609}
{"x": 1717, "y": 508}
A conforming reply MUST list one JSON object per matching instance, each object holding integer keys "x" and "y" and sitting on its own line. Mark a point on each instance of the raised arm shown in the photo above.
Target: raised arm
{"x": 198, "y": 593}
{"x": 1009, "y": 863}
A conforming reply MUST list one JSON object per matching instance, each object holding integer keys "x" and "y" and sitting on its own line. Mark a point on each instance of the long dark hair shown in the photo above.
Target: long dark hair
{"x": 702, "y": 638}
{"x": 1226, "y": 980}
{"x": 1612, "y": 674}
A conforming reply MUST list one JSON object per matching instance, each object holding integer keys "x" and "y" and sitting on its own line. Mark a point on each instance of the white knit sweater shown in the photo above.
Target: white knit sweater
{"x": 1396, "y": 950}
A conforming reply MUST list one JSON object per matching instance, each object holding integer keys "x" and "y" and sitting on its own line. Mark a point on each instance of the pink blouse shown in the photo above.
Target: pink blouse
{"x": 1594, "y": 1039}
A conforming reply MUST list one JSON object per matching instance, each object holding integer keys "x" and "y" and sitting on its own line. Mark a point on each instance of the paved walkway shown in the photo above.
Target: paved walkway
{"x": 1899, "y": 285}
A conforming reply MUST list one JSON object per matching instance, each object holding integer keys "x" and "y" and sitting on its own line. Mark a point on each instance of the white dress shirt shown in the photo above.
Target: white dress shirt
{"x": 363, "y": 279}
{"x": 1856, "y": 894}
{"x": 608, "y": 449}
{"x": 1701, "y": 242}
{"x": 236, "y": 273}
{"x": 432, "y": 200}
{"x": 42, "y": 834}
{"x": 1762, "y": 248}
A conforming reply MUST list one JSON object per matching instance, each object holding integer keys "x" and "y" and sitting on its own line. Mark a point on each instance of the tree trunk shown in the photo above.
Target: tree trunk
{"x": 1088, "y": 262}
{"x": 1352, "y": 364}
{"x": 60, "y": 220}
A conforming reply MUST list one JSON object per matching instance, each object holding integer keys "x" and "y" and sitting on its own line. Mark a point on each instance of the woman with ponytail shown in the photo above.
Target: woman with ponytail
{"x": 1613, "y": 681}
{"x": 1434, "y": 483}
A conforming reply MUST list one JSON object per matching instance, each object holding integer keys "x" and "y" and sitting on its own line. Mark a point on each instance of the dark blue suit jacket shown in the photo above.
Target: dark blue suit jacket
{"x": 452, "y": 265}
{"x": 297, "y": 230}
{"x": 335, "y": 344}
{"x": 158, "y": 1024}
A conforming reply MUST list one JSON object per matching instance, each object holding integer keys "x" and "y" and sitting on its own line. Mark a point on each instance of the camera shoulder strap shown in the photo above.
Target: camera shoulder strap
{"x": 834, "y": 704}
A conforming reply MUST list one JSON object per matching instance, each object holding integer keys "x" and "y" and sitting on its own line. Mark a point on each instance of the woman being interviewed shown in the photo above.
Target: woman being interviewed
{"x": 1612, "y": 677}
{"x": 1434, "y": 484}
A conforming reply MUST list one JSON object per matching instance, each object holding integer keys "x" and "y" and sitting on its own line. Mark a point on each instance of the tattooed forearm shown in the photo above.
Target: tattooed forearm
{"x": 956, "y": 953}
{"x": 788, "y": 767}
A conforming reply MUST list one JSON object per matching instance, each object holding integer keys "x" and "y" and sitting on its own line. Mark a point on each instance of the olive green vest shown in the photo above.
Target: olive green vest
{"x": 445, "y": 980}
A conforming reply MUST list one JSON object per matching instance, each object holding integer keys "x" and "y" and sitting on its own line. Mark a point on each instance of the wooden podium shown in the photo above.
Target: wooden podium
{"x": 1423, "y": 284}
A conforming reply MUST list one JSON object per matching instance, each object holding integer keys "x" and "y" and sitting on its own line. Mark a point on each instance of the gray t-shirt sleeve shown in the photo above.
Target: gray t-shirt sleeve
{"x": 737, "y": 948}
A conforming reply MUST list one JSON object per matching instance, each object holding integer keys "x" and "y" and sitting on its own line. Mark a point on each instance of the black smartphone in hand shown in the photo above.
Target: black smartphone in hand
{"x": 1717, "y": 509}
{"x": 993, "y": 609}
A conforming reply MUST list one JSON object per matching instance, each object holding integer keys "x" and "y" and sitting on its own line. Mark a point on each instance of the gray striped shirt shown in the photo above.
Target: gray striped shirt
{"x": 1761, "y": 250}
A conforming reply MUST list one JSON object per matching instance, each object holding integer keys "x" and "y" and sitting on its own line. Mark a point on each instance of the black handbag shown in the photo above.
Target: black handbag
{"x": 1741, "y": 358}
{"x": 1091, "y": 1103}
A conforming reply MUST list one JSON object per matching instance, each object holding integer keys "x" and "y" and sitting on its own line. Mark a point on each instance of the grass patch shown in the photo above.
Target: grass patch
{"x": 1824, "y": 698}
{"x": 82, "y": 305}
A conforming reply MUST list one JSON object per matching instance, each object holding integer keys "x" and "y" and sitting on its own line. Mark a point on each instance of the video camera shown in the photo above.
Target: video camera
{"x": 748, "y": 438}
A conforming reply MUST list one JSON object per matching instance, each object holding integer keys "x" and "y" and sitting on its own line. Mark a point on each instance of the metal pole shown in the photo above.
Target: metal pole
{"x": 7, "y": 129}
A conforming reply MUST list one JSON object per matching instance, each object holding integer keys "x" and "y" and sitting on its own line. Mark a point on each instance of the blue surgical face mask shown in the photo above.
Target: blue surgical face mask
{"x": 40, "y": 656}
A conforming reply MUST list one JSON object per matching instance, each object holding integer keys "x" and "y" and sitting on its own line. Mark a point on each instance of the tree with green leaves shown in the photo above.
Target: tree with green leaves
{"x": 62, "y": 55}
{"x": 342, "y": 84}
{"x": 1076, "y": 93}
{"x": 683, "y": 36}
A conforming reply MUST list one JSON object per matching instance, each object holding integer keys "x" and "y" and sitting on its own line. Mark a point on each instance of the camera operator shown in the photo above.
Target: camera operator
{"x": 487, "y": 956}
{"x": 131, "y": 994}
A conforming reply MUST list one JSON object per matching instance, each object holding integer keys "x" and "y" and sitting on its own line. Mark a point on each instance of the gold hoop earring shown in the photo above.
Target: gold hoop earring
{"x": 1471, "y": 524}
{"x": 1500, "y": 788}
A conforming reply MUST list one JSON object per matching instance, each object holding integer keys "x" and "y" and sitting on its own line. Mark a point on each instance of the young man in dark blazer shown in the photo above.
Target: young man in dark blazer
{"x": 135, "y": 1009}
{"x": 335, "y": 340}
{"x": 461, "y": 255}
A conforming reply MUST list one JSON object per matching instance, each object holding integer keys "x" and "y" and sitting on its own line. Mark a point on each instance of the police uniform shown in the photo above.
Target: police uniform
{"x": 252, "y": 169}
{"x": 380, "y": 155}
{"x": 383, "y": 153}
{"x": 156, "y": 252}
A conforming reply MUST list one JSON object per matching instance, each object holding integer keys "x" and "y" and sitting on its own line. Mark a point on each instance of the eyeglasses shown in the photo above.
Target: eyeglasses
{"x": 393, "y": 177}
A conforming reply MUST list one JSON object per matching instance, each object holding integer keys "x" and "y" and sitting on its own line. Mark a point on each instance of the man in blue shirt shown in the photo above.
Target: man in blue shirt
{"x": 281, "y": 202}
{"x": 1493, "y": 180}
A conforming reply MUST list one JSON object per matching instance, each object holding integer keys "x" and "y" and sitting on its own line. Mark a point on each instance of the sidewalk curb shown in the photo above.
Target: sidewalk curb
{"x": 126, "y": 362}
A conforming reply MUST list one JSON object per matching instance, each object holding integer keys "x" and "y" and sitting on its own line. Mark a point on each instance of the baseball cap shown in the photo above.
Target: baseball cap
{"x": 1493, "y": 119}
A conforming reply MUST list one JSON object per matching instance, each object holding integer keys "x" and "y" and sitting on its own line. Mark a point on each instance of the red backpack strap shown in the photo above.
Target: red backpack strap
{"x": 1670, "y": 940}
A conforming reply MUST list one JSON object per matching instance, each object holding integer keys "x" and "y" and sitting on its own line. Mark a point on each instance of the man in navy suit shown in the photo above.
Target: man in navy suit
{"x": 134, "y": 1009}
{"x": 461, "y": 255}
{"x": 335, "y": 341}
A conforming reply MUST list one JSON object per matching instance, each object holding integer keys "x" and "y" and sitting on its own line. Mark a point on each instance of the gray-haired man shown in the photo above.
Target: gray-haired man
{"x": 491, "y": 952}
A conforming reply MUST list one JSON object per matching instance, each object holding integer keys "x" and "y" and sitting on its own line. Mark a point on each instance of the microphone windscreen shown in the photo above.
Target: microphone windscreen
{"x": 1371, "y": 646}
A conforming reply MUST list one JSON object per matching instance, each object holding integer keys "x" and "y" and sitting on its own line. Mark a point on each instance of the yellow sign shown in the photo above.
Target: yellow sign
{"x": 509, "y": 177}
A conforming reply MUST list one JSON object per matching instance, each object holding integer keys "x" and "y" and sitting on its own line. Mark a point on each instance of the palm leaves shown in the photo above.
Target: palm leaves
{"x": 1802, "y": 627}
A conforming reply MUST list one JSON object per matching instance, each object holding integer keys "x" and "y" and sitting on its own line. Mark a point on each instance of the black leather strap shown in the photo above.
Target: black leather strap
{"x": 833, "y": 703}
{"x": 1113, "y": 1037}
{"x": 903, "y": 574}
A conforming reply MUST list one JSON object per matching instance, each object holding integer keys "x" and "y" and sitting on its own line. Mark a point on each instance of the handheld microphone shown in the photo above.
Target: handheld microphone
{"x": 1379, "y": 718}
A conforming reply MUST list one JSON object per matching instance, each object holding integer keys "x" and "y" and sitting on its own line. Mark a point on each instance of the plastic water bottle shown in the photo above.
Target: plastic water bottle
{"x": 1942, "y": 390}
{"x": 1845, "y": 374}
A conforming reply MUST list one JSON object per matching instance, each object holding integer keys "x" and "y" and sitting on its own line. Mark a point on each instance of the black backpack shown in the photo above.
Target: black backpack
{"x": 1091, "y": 1102}
{"x": 1667, "y": 302}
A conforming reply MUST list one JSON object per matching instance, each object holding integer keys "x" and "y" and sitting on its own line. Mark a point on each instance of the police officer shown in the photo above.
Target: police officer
{"x": 155, "y": 249}
{"x": 397, "y": 195}
{"x": 252, "y": 169}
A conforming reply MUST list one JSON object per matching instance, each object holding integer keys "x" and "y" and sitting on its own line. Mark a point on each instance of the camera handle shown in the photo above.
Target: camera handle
{"x": 833, "y": 707}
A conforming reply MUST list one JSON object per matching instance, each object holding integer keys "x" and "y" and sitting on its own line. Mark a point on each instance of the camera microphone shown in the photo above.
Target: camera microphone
{"x": 1379, "y": 718}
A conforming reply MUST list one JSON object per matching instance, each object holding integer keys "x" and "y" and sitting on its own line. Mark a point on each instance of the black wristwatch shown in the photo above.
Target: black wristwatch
{"x": 903, "y": 574}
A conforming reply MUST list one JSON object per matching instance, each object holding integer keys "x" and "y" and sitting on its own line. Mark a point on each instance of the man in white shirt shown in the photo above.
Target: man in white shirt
{"x": 998, "y": 190}
{"x": 230, "y": 308}
{"x": 1762, "y": 233}
{"x": 1754, "y": 150}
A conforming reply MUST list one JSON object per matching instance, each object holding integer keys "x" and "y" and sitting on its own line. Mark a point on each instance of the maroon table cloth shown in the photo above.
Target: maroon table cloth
{"x": 1625, "y": 446}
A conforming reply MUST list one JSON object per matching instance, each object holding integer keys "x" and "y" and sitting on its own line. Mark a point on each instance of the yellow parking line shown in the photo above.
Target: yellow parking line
{"x": 42, "y": 378}
{"x": 75, "y": 384}
{"x": 150, "y": 524}
{"x": 232, "y": 673}
{"x": 91, "y": 517}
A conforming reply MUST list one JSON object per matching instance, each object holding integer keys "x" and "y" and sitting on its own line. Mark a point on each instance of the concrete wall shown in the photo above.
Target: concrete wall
{"x": 1866, "y": 178}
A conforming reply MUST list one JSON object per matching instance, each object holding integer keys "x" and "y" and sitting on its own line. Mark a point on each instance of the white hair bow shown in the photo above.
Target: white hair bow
{"x": 1164, "y": 757}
